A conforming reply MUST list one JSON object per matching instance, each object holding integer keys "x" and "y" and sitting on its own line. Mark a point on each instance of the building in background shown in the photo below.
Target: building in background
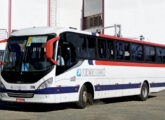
{"x": 65, "y": 13}
{"x": 140, "y": 17}
{"x": 3, "y": 34}
{"x": 137, "y": 18}
{"x": 93, "y": 15}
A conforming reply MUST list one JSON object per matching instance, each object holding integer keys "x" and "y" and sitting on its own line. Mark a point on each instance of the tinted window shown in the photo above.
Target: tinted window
{"x": 91, "y": 43}
{"x": 149, "y": 54}
{"x": 122, "y": 50}
{"x": 136, "y": 52}
{"x": 102, "y": 48}
{"x": 110, "y": 49}
{"x": 159, "y": 55}
{"x": 163, "y": 54}
{"x": 79, "y": 42}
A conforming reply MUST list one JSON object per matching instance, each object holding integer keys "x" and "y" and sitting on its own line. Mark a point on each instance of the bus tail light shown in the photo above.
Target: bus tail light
{"x": 50, "y": 49}
{"x": 1, "y": 63}
{"x": 46, "y": 84}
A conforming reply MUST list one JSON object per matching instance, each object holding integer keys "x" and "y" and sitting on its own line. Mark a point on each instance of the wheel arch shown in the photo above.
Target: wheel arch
{"x": 90, "y": 88}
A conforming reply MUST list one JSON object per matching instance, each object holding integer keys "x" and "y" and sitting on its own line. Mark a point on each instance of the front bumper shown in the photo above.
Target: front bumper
{"x": 42, "y": 98}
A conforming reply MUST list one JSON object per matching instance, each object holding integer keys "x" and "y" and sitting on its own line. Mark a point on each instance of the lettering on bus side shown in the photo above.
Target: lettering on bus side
{"x": 90, "y": 72}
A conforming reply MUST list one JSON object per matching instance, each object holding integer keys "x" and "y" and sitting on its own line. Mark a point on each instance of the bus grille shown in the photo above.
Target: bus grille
{"x": 20, "y": 95}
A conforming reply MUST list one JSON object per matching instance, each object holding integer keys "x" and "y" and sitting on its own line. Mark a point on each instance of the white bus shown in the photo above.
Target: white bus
{"x": 57, "y": 65}
{"x": 2, "y": 48}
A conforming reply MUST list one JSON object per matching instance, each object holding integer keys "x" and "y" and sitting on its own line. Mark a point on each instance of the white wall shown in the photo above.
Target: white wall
{"x": 3, "y": 14}
{"x": 3, "y": 34}
{"x": 29, "y": 13}
{"x": 137, "y": 17}
{"x": 69, "y": 13}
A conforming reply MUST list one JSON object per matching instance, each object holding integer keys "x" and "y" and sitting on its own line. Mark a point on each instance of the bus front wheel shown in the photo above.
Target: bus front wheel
{"x": 144, "y": 92}
{"x": 83, "y": 97}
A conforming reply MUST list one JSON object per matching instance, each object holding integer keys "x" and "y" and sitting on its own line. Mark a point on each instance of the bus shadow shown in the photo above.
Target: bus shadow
{"x": 35, "y": 107}
{"x": 120, "y": 99}
{"x": 28, "y": 107}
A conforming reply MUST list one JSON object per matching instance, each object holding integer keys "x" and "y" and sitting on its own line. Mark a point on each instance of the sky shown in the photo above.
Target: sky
{"x": 25, "y": 13}
{"x": 30, "y": 13}
{"x": 137, "y": 17}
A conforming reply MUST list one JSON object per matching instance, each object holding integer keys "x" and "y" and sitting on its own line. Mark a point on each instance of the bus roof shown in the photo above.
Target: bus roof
{"x": 58, "y": 30}
{"x": 45, "y": 31}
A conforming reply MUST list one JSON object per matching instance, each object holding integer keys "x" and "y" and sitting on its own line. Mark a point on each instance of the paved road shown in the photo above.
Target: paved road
{"x": 127, "y": 108}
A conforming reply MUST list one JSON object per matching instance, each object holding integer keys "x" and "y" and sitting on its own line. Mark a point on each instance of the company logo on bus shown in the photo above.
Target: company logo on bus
{"x": 90, "y": 72}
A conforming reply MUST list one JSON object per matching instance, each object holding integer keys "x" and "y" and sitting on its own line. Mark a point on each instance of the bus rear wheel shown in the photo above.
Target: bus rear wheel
{"x": 85, "y": 97}
{"x": 144, "y": 92}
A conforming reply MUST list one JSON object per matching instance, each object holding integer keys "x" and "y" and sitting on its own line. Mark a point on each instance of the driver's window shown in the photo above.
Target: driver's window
{"x": 60, "y": 57}
{"x": 66, "y": 56}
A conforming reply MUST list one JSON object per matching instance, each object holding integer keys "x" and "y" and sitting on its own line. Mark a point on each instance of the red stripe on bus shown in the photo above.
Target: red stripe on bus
{"x": 115, "y": 63}
{"x": 2, "y": 41}
{"x": 131, "y": 40}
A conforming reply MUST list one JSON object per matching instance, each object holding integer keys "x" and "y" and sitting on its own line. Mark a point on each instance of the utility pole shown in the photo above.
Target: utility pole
{"x": 52, "y": 12}
{"x": 10, "y": 17}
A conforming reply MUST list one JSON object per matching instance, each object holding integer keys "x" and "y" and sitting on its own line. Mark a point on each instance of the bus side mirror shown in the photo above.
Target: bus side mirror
{"x": 50, "y": 49}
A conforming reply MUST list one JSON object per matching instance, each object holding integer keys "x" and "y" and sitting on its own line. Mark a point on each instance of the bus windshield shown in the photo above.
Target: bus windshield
{"x": 26, "y": 54}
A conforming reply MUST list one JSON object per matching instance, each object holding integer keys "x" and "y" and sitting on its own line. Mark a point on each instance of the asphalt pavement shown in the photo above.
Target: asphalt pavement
{"x": 127, "y": 108}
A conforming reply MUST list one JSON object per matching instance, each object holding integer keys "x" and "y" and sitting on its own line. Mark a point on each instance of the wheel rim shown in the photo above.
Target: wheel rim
{"x": 145, "y": 92}
{"x": 85, "y": 97}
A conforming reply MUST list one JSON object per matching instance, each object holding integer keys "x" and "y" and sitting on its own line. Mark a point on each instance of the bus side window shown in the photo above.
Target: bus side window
{"x": 126, "y": 51}
{"x": 82, "y": 48}
{"x": 60, "y": 58}
{"x": 150, "y": 54}
{"x": 91, "y": 47}
{"x": 122, "y": 50}
{"x": 159, "y": 55}
{"x": 136, "y": 52}
{"x": 119, "y": 50}
{"x": 102, "y": 48}
{"x": 110, "y": 49}
{"x": 163, "y": 50}
{"x": 79, "y": 42}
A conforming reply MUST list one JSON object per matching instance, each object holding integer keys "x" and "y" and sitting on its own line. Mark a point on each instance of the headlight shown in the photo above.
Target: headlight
{"x": 1, "y": 85}
{"x": 46, "y": 84}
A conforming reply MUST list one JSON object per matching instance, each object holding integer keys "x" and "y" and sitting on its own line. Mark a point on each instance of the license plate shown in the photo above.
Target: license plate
{"x": 20, "y": 100}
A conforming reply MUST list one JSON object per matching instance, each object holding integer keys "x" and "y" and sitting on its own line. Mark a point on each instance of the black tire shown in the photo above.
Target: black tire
{"x": 83, "y": 98}
{"x": 90, "y": 99}
{"x": 144, "y": 92}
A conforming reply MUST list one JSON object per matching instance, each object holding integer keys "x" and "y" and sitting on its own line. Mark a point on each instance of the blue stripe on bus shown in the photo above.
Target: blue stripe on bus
{"x": 116, "y": 87}
{"x": 74, "y": 89}
{"x": 58, "y": 90}
{"x": 55, "y": 90}
{"x": 157, "y": 85}
{"x": 90, "y": 62}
